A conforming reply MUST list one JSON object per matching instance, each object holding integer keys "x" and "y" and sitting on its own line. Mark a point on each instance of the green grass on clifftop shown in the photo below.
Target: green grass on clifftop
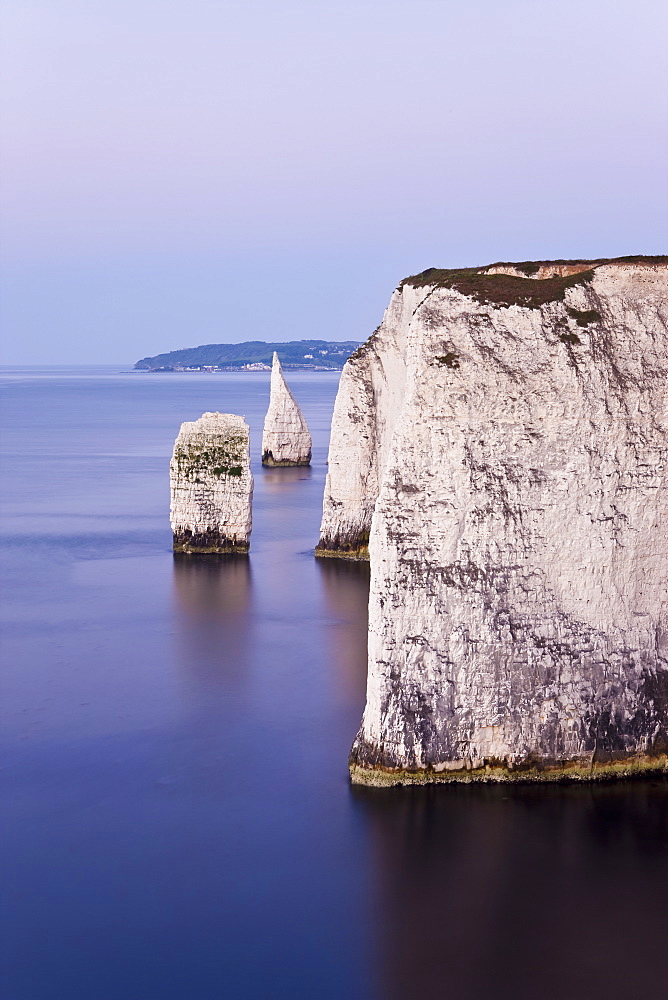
{"x": 507, "y": 289}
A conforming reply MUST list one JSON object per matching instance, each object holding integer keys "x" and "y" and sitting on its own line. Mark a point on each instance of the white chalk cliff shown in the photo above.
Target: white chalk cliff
{"x": 285, "y": 439}
{"x": 212, "y": 485}
{"x": 367, "y": 403}
{"x": 503, "y": 436}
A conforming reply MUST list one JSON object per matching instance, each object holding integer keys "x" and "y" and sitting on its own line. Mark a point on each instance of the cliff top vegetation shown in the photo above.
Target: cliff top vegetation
{"x": 486, "y": 284}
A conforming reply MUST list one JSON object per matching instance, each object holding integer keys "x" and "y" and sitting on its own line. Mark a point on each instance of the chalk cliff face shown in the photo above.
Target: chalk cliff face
{"x": 367, "y": 404}
{"x": 513, "y": 426}
{"x": 212, "y": 485}
{"x": 285, "y": 439}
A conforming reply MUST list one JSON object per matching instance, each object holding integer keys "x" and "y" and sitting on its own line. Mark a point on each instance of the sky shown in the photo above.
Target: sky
{"x": 183, "y": 172}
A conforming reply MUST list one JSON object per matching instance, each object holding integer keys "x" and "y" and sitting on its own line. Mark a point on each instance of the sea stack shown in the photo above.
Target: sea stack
{"x": 503, "y": 439}
{"x": 285, "y": 438}
{"x": 212, "y": 485}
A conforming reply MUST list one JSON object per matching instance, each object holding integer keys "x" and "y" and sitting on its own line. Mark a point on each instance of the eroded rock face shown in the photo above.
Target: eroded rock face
{"x": 367, "y": 404}
{"x": 285, "y": 439}
{"x": 518, "y": 617}
{"x": 212, "y": 485}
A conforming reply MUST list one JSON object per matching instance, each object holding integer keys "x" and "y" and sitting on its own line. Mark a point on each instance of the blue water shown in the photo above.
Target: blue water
{"x": 177, "y": 819}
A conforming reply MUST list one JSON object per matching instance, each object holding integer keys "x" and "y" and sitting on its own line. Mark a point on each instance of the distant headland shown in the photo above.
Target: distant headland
{"x": 253, "y": 355}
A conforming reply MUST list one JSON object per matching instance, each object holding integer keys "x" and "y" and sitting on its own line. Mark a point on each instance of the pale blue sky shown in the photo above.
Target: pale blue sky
{"x": 181, "y": 172}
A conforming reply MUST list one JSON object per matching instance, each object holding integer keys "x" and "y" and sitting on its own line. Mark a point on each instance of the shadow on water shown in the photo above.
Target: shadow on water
{"x": 529, "y": 892}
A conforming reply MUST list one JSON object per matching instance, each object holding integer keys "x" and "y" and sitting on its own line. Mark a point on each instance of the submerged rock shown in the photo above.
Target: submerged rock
{"x": 508, "y": 431}
{"x": 285, "y": 438}
{"x": 212, "y": 485}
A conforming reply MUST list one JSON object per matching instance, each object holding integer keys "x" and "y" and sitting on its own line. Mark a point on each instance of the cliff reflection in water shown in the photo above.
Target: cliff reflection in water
{"x": 346, "y": 592}
{"x": 524, "y": 892}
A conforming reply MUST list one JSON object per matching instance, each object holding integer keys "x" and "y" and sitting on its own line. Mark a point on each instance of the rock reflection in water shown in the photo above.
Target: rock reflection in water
{"x": 212, "y": 595}
{"x": 346, "y": 591}
{"x": 276, "y": 479}
{"x": 281, "y": 493}
{"x": 523, "y": 892}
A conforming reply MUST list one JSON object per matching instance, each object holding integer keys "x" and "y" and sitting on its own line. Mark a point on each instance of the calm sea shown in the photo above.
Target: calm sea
{"x": 177, "y": 822}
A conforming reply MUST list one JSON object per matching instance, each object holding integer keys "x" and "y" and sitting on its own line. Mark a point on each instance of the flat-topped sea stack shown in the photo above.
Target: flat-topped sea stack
{"x": 285, "y": 439}
{"x": 212, "y": 485}
{"x": 502, "y": 442}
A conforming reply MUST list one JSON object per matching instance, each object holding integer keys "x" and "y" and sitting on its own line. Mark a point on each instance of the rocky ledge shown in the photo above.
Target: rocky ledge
{"x": 502, "y": 441}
